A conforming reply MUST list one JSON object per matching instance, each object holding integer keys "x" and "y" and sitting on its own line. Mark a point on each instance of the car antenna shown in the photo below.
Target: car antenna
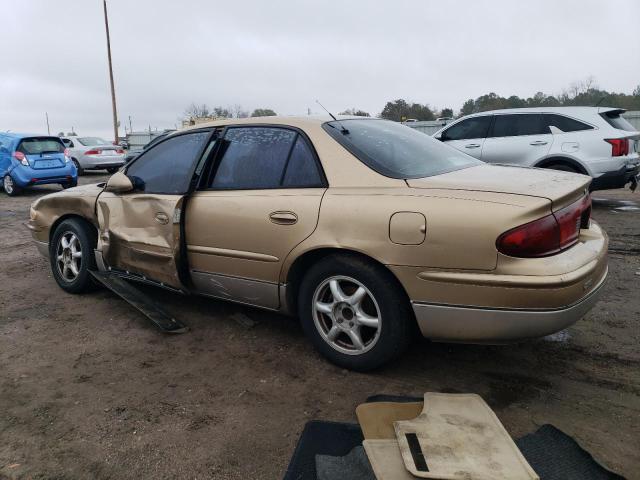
{"x": 343, "y": 130}
{"x": 600, "y": 101}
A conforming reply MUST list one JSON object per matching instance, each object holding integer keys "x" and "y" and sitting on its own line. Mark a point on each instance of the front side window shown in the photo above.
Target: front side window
{"x": 563, "y": 123}
{"x": 395, "y": 150}
{"x": 519, "y": 124}
{"x": 167, "y": 167}
{"x": 474, "y": 127}
{"x": 264, "y": 158}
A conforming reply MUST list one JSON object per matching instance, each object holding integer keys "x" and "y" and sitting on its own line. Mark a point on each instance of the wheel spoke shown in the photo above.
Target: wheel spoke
{"x": 333, "y": 333}
{"x": 336, "y": 291}
{"x": 355, "y": 299}
{"x": 76, "y": 254}
{"x": 326, "y": 308}
{"x": 74, "y": 268}
{"x": 60, "y": 258}
{"x": 354, "y": 335}
{"x": 367, "y": 320}
{"x": 73, "y": 243}
{"x": 64, "y": 241}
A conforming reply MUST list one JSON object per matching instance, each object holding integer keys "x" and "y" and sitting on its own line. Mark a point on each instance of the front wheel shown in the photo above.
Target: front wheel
{"x": 355, "y": 312}
{"x": 71, "y": 255}
{"x": 10, "y": 187}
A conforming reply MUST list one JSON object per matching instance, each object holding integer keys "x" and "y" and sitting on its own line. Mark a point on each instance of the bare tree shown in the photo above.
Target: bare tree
{"x": 197, "y": 111}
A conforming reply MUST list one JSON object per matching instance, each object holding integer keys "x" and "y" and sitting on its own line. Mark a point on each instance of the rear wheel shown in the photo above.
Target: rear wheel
{"x": 78, "y": 167}
{"x": 72, "y": 183}
{"x": 71, "y": 255}
{"x": 354, "y": 312}
{"x": 10, "y": 187}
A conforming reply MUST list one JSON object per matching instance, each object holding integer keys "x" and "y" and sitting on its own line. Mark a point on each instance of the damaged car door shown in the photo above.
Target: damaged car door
{"x": 261, "y": 199}
{"x": 140, "y": 230}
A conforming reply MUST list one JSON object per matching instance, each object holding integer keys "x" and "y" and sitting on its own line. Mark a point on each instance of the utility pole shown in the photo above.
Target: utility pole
{"x": 48, "y": 129}
{"x": 130, "y": 127}
{"x": 113, "y": 90}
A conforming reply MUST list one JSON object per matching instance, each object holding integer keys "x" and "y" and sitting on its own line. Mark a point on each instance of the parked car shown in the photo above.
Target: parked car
{"x": 27, "y": 160}
{"x": 594, "y": 141}
{"x": 131, "y": 154}
{"x": 94, "y": 153}
{"x": 366, "y": 229}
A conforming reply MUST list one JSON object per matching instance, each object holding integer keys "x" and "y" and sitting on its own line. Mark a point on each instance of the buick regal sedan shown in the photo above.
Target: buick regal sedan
{"x": 367, "y": 230}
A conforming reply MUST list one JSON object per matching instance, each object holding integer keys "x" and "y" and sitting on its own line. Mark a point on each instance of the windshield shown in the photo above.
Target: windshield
{"x": 87, "y": 141}
{"x": 37, "y": 145}
{"x": 614, "y": 119}
{"x": 395, "y": 150}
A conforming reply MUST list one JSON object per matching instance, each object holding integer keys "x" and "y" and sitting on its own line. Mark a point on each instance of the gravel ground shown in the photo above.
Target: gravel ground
{"x": 89, "y": 389}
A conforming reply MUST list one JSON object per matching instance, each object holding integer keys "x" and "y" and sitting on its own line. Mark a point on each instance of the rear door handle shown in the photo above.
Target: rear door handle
{"x": 538, "y": 142}
{"x": 472, "y": 145}
{"x": 283, "y": 218}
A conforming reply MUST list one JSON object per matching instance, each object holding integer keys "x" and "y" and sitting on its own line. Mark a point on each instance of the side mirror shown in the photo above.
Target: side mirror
{"x": 555, "y": 130}
{"x": 119, "y": 183}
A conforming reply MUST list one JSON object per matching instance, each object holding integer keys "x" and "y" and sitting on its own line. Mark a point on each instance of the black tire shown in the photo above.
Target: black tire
{"x": 113, "y": 169}
{"x": 562, "y": 167}
{"x": 87, "y": 238}
{"x": 396, "y": 325}
{"x": 10, "y": 187}
{"x": 72, "y": 183}
{"x": 78, "y": 167}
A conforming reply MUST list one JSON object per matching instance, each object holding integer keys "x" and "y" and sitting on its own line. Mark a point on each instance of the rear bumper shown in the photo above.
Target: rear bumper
{"x": 89, "y": 162}
{"x": 453, "y": 323}
{"x": 25, "y": 176}
{"x": 615, "y": 179}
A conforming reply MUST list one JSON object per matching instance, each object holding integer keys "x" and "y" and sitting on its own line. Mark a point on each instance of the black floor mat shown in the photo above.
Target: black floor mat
{"x": 321, "y": 438}
{"x": 556, "y": 456}
{"x": 552, "y": 454}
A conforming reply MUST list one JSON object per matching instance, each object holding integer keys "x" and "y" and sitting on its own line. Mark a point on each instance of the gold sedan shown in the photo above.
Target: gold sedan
{"x": 367, "y": 230}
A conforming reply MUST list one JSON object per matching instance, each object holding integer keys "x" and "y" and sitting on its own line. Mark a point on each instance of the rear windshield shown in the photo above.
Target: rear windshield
{"x": 87, "y": 141}
{"x": 614, "y": 119}
{"x": 395, "y": 150}
{"x": 37, "y": 145}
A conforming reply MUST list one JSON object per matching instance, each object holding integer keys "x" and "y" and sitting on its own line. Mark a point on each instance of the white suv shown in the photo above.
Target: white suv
{"x": 594, "y": 141}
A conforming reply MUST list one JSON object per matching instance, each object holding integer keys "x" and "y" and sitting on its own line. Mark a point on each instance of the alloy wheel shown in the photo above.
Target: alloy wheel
{"x": 346, "y": 315}
{"x": 69, "y": 256}
{"x": 8, "y": 184}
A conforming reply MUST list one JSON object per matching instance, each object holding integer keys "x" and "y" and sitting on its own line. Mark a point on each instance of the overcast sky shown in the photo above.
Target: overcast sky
{"x": 284, "y": 54}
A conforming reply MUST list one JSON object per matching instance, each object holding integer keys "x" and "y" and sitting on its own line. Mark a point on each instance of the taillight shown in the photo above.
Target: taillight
{"x": 619, "y": 146}
{"x": 547, "y": 235}
{"x": 120, "y": 151}
{"x": 21, "y": 158}
{"x": 93, "y": 152}
{"x": 67, "y": 152}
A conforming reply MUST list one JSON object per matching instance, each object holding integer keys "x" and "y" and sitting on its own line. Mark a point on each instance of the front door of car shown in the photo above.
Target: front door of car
{"x": 518, "y": 139}
{"x": 261, "y": 199}
{"x": 468, "y": 135}
{"x": 139, "y": 231}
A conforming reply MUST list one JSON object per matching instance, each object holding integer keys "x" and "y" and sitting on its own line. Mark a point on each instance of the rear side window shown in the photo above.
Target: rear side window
{"x": 264, "y": 158}
{"x": 474, "y": 127}
{"x": 302, "y": 169}
{"x": 518, "y": 124}
{"x": 614, "y": 119}
{"x": 565, "y": 124}
{"x": 167, "y": 167}
{"x": 37, "y": 145}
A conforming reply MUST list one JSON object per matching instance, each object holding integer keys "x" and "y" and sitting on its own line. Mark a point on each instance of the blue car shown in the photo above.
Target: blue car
{"x": 27, "y": 160}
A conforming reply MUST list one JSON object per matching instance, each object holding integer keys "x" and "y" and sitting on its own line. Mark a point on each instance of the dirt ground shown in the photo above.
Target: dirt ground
{"x": 90, "y": 389}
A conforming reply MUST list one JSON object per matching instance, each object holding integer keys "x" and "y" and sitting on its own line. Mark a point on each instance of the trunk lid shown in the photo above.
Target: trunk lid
{"x": 561, "y": 188}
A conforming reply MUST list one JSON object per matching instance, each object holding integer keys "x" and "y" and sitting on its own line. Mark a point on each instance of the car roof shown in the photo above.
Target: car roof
{"x": 566, "y": 110}
{"x": 19, "y": 135}
{"x": 293, "y": 121}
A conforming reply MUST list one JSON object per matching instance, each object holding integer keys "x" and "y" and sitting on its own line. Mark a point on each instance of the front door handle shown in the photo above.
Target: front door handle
{"x": 162, "y": 218}
{"x": 538, "y": 142}
{"x": 283, "y": 218}
{"x": 472, "y": 145}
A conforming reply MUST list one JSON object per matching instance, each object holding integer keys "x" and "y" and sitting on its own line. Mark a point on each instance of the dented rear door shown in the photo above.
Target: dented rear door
{"x": 140, "y": 231}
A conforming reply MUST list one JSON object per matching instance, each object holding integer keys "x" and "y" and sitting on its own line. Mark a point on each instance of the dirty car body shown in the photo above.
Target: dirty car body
{"x": 363, "y": 228}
